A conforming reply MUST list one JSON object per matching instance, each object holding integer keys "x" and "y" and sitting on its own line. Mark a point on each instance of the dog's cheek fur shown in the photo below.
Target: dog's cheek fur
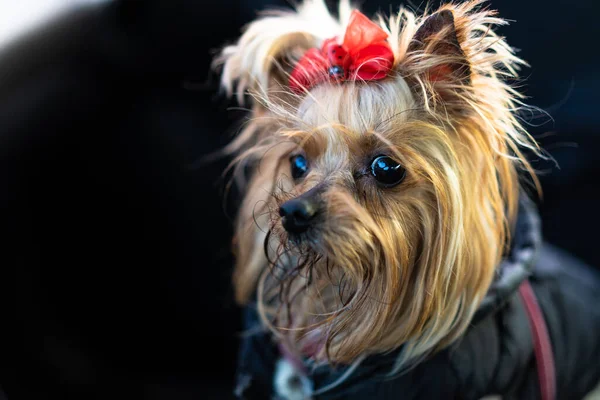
{"x": 256, "y": 215}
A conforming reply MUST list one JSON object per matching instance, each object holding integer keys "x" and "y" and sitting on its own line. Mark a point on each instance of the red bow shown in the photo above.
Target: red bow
{"x": 363, "y": 55}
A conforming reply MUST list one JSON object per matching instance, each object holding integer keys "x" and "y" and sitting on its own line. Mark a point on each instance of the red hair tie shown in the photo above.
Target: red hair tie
{"x": 363, "y": 55}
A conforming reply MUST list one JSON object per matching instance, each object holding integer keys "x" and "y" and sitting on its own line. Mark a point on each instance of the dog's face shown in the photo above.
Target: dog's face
{"x": 373, "y": 224}
{"x": 377, "y": 213}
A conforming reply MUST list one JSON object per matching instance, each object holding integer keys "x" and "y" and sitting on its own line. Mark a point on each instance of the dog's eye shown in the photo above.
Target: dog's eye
{"x": 387, "y": 171}
{"x": 299, "y": 166}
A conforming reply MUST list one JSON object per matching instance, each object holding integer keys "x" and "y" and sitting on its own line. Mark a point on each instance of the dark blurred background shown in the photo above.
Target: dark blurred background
{"x": 115, "y": 259}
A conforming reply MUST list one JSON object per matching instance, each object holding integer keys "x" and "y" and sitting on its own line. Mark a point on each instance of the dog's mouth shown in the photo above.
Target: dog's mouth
{"x": 306, "y": 241}
{"x": 292, "y": 249}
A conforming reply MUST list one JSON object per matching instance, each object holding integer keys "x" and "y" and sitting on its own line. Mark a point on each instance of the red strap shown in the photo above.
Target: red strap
{"x": 541, "y": 342}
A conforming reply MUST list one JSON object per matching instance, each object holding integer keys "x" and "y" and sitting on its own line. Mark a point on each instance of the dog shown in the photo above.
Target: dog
{"x": 386, "y": 179}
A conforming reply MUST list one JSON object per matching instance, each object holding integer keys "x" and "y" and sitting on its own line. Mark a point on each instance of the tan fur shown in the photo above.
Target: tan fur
{"x": 407, "y": 265}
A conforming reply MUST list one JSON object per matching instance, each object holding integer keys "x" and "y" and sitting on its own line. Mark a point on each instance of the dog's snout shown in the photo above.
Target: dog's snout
{"x": 298, "y": 214}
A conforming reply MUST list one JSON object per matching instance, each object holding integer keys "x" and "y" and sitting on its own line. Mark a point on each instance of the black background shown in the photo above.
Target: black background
{"x": 115, "y": 256}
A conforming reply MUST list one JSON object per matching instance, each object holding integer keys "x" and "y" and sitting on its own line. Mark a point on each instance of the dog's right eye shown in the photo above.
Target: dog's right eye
{"x": 299, "y": 166}
{"x": 387, "y": 171}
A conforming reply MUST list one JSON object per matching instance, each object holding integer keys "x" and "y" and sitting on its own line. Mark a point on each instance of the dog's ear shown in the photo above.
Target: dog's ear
{"x": 455, "y": 54}
{"x": 260, "y": 62}
{"x": 437, "y": 43}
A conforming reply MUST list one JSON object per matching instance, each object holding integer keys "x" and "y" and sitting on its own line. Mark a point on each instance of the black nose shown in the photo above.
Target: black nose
{"x": 298, "y": 214}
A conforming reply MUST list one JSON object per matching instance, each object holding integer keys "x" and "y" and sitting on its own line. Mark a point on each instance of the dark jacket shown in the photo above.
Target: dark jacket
{"x": 495, "y": 356}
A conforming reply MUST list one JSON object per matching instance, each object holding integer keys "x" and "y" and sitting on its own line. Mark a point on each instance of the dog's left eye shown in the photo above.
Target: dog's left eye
{"x": 387, "y": 171}
{"x": 299, "y": 166}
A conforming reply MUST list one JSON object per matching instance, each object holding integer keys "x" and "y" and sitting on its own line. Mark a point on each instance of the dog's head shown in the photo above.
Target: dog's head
{"x": 377, "y": 209}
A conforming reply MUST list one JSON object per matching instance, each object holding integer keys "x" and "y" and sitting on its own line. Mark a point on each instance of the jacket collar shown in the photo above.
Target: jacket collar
{"x": 517, "y": 265}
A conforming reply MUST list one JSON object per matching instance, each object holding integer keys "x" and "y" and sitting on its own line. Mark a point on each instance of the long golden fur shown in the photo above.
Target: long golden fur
{"x": 387, "y": 267}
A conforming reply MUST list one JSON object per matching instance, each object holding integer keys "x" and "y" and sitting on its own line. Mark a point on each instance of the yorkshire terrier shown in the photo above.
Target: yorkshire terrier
{"x": 385, "y": 214}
